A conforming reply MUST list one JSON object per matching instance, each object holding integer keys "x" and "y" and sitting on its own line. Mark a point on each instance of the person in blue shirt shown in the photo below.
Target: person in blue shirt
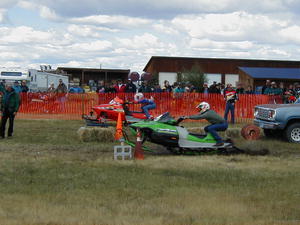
{"x": 76, "y": 89}
{"x": 147, "y": 104}
{"x": 157, "y": 89}
{"x": 17, "y": 87}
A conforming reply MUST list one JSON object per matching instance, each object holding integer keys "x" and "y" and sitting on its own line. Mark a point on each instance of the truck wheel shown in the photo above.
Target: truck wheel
{"x": 292, "y": 133}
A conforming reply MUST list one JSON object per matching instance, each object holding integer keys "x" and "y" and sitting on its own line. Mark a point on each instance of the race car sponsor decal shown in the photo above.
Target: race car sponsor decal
{"x": 166, "y": 130}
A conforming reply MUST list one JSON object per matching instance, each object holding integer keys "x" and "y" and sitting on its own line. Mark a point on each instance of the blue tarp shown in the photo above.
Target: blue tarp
{"x": 272, "y": 73}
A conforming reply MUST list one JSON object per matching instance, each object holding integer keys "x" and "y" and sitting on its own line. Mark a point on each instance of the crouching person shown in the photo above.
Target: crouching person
{"x": 218, "y": 123}
{"x": 147, "y": 104}
{"x": 10, "y": 102}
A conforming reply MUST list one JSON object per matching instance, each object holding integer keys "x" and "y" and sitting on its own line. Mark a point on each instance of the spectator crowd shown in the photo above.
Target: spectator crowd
{"x": 288, "y": 93}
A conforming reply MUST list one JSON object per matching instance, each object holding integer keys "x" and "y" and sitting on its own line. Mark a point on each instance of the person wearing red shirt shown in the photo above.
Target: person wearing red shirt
{"x": 120, "y": 87}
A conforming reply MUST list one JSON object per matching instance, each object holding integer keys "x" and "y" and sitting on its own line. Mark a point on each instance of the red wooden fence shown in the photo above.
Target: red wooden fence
{"x": 72, "y": 106}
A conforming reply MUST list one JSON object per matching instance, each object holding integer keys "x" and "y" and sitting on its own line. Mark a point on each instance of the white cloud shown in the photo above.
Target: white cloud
{"x": 206, "y": 43}
{"x": 291, "y": 33}
{"x": 7, "y": 3}
{"x": 28, "y": 5}
{"x": 274, "y": 52}
{"x": 3, "y": 16}
{"x": 47, "y": 13}
{"x": 88, "y": 31}
{"x": 141, "y": 42}
{"x": 44, "y": 11}
{"x": 91, "y": 46}
{"x": 83, "y": 31}
{"x": 23, "y": 35}
{"x": 165, "y": 28}
{"x": 115, "y": 21}
{"x": 74, "y": 64}
{"x": 236, "y": 26}
{"x": 10, "y": 55}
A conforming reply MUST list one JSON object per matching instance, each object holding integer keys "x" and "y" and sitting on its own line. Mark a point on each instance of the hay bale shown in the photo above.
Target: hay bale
{"x": 104, "y": 134}
{"x": 99, "y": 134}
{"x": 84, "y": 134}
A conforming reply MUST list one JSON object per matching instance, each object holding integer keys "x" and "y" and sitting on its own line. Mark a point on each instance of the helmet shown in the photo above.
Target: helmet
{"x": 203, "y": 106}
{"x": 138, "y": 97}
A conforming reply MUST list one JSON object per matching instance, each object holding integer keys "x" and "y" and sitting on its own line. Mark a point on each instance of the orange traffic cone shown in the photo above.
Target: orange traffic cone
{"x": 138, "y": 152}
{"x": 119, "y": 128}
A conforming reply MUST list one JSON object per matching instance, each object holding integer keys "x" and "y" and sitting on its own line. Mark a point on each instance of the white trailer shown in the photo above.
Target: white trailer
{"x": 41, "y": 80}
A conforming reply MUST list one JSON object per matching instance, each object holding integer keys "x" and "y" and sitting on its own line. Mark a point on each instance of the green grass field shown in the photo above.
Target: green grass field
{"x": 48, "y": 176}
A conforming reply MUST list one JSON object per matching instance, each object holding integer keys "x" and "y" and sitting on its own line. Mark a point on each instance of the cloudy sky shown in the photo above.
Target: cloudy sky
{"x": 124, "y": 34}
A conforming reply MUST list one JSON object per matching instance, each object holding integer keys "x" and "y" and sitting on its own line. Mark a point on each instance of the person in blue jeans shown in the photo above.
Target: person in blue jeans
{"x": 147, "y": 104}
{"x": 230, "y": 97}
{"x": 218, "y": 123}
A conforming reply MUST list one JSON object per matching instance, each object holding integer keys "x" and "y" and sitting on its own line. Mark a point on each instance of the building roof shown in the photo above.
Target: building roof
{"x": 272, "y": 73}
{"x": 154, "y": 58}
{"x": 93, "y": 69}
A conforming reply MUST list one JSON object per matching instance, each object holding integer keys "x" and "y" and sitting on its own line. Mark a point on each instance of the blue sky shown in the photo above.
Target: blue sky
{"x": 125, "y": 34}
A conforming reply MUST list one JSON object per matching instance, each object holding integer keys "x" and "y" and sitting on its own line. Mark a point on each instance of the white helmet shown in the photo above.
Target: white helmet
{"x": 203, "y": 106}
{"x": 138, "y": 97}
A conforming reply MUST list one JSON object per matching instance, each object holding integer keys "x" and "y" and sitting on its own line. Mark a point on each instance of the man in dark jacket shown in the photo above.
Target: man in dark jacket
{"x": 130, "y": 87}
{"x": 204, "y": 89}
{"x": 145, "y": 87}
{"x": 61, "y": 88}
{"x": 9, "y": 107}
{"x": 214, "y": 88}
{"x": 61, "y": 91}
{"x": 24, "y": 87}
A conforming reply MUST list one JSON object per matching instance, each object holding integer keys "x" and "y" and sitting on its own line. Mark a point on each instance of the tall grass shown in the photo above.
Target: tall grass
{"x": 48, "y": 176}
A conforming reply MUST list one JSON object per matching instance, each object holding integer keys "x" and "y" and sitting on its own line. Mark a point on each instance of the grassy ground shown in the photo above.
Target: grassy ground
{"x": 48, "y": 176}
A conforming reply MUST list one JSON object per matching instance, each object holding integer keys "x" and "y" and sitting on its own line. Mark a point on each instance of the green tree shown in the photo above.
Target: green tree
{"x": 154, "y": 79}
{"x": 194, "y": 76}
